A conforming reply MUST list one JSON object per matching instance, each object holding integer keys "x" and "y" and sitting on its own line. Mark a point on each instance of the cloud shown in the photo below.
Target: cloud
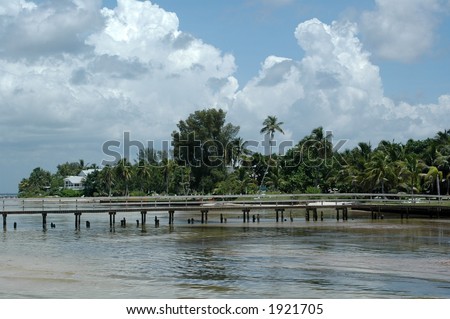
{"x": 335, "y": 85}
{"x": 30, "y": 30}
{"x": 401, "y": 30}
{"x": 136, "y": 70}
{"x": 73, "y": 75}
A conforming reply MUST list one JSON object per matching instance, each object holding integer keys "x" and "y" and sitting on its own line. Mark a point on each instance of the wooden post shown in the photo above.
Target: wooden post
{"x": 77, "y": 221}
{"x": 307, "y": 215}
{"x": 112, "y": 219}
{"x": 4, "y": 219}
{"x": 221, "y": 218}
{"x": 276, "y": 215}
{"x": 156, "y": 221}
{"x": 246, "y": 215}
{"x": 171, "y": 216}
{"x": 291, "y": 217}
{"x": 321, "y": 216}
{"x": 337, "y": 214}
{"x": 88, "y": 224}
{"x": 44, "y": 220}
{"x": 143, "y": 217}
{"x": 315, "y": 218}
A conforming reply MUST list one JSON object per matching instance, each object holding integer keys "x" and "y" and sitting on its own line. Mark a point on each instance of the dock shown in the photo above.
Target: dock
{"x": 376, "y": 204}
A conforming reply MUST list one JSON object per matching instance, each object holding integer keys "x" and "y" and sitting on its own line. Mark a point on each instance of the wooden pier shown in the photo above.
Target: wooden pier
{"x": 375, "y": 204}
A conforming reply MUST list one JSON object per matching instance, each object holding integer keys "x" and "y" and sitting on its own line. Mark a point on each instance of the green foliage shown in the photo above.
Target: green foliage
{"x": 37, "y": 184}
{"x": 209, "y": 157}
{"x": 313, "y": 190}
{"x": 70, "y": 193}
{"x": 204, "y": 142}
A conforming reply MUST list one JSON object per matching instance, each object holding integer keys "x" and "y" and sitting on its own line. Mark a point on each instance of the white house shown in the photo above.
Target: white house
{"x": 76, "y": 182}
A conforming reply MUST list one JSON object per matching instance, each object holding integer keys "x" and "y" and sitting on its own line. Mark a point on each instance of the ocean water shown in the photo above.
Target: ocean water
{"x": 359, "y": 258}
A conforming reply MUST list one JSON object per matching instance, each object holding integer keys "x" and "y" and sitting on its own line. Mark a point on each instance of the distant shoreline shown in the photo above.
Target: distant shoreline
{"x": 8, "y": 195}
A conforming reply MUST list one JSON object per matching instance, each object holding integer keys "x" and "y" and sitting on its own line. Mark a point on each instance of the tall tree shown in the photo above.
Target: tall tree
{"x": 124, "y": 171}
{"x": 201, "y": 143}
{"x": 37, "y": 184}
{"x": 270, "y": 126}
{"x": 379, "y": 170}
{"x": 107, "y": 175}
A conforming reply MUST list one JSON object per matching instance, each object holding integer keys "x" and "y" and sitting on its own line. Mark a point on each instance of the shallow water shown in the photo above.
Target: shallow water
{"x": 360, "y": 258}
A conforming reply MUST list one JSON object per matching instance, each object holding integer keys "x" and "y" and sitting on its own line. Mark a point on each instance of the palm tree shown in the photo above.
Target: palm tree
{"x": 413, "y": 169}
{"x": 379, "y": 169}
{"x": 442, "y": 162}
{"x": 124, "y": 171}
{"x": 144, "y": 174}
{"x": 238, "y": 151}
{"x": 432, "y": 179}
{"x": 169, "y": 166}
{"x": 270, "y": 126}
{"x": 107, "y": 174}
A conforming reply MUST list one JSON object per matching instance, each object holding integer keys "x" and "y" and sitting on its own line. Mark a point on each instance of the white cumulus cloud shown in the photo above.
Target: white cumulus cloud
{"x": 401, "y": 30}
{"x": 336, "y": 86}
{"x": 73, "y": 75}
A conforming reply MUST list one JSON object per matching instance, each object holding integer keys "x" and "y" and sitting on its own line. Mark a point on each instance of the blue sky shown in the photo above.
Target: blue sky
{"x": 74, "y": 74}
{"x": 253, "y": 30}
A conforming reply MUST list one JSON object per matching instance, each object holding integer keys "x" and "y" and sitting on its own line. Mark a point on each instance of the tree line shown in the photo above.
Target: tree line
{"x": 208, "y": 157}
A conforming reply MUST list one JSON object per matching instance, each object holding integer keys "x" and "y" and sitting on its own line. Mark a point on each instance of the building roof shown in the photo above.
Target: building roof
{"x": 74, "y": 179}
{"x": 86, "y": 172}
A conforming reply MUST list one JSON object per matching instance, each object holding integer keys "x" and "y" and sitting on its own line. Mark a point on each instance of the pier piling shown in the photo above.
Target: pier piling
{"x": 246, "y": 214}
{"x": 279, "y": 212}
{"x": 307, "y": 215}
{"x": 44, "y": 220}
{"x": 112, "y": 219}
{"x": 143, "y": 217}
{"x": 204, "y": 216}
{"x": 77, "y": 221}
{"x": 171, "y": 217}
{"x": 4, "y": 219}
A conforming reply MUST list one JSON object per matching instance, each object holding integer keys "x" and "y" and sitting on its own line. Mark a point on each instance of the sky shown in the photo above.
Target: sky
{"x": 75, "y": 74}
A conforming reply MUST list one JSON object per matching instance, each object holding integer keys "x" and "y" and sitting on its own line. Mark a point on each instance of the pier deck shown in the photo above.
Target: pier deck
{"x": 376, "y": 204}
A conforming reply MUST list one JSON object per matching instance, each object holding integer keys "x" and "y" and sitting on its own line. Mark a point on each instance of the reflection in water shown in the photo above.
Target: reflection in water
{"x": 356, "y": 259}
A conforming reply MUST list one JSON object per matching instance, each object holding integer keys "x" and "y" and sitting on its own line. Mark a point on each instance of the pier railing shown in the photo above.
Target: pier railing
{"x": 106, "y": 204}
